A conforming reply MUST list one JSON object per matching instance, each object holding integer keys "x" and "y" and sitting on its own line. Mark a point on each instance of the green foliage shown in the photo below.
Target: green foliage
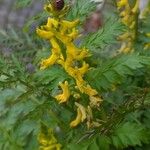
{"x": 129, "y": 134}
{"x": 114, "y": 71}
{"x": 19, "y": 42}
{"x": 99, "y": 142}
{"x": 27, "y": 98}
{"x": 81, "y": 9}
{"x": 107, "y": 35}
{"x": 23, "y": 3}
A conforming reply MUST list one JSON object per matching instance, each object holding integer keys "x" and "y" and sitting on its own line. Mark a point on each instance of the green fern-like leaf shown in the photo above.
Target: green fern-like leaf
{"x": 81, "y": 9}
{"x": 97, "y": 143}
{"x": 105, "y": 36}
{"x": 114, "y": 71}
{"x": 23, "y": 3}
{"x": 129, "y": 134}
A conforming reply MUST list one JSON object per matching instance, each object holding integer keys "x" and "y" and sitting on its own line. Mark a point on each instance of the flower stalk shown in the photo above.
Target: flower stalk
{"x": 63, "y": 32}
{"x": 129, "y": 16}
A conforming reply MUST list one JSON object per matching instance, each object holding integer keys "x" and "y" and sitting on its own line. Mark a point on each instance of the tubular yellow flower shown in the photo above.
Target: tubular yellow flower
{"x": 81, "y": 115}
{"x": 62, "y": 98}
{"x": 48, "y": 141}
{"x": 148, "y": 34}
{"x": 146, "y": 11}
{"x": 90, "y": 123}
{"x": 122, "y": 3}
{"x": 95, "y": 101}
{"x": 136, "y": 6}
{"x": 129, "y": 16}
{"x": 69, "y": 25}
{"x": 144, "y": 15}
{"x": 147, "y": 46}
{"x": 75, "y": 122}
{"x": 88, "y": 90}
{"x": 83, "y": 111}
{"x": 84, "y": 68}
{"x": 55, "y": 45}
{"x": 44, "y": 34}
{"x": 52, "y": 23}
{"x": 50, "y": 61}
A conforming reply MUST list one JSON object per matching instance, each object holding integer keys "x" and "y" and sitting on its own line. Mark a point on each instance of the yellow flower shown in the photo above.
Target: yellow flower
{"x": 81, "y": 115}
{"x": 51, "y": 22}
{"x": 47, "y": 141}
{"x": 51, "y": 147}
{"x": 83, "y": 54}
{"x": 44, "y": 34}
{"x": 113, "y": 87}
{"x": 90, "y": 123}
{"x": 147, "y": 46}
{"x": 83, "y": 111}
{"x": 75, "y": 122}
{"x": 84, "y": 68}
{"x": 132, "y": 25}
{"x": 89, "y": 91}
{"x": 56, "y": 13}
{"x": 76, "y": 95}
{"x": 146, "y": 11}
{"x": 84, "y": 87}
{"x": 148, "y": 34}
{"x": 95, "y": 101}
{"x": 128, "y": 14}
{"x": 55, "y": 45}
{"x": 66, "y": 93}
{"x": 122, "y": 3}
{"x": 51, "y": 60}
{"x": 124, "y": 36}
{"x": 135, "y": 9}
{"x": 70, "y": 24}
{"x": 74, "y": 34}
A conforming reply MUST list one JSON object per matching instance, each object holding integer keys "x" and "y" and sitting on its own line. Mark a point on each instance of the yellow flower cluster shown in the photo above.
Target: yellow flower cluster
{"x": 145, "y": 13}
{"x": 147, "y": 45}
{"x": 84, "y": 114}
{"x": 62, "y": 32}
{"x": 129, "y": 17}
{"x": 48, "y": 141}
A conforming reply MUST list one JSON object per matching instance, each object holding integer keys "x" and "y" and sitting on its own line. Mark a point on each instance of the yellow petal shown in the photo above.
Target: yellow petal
{"x": 95, "y": 101}
{"x": 84, "y": 68}
{"x": 55, "y": 44}
{"x": 148, "y": 34}
{"x": 83, "y": 111}
{"x": 70, "y": 24}
{"x": 48, "y": 8}
{"x": 49, "y": 61}
{"x": 52, "y": 23}
{"x": 89, "y": 91}
{"x": 65, "y": 94}
{"x": 122, "y": 3}
{"x": 75, "y": 122}
{"x": 136, "y": 7}
{"x": 147, "y": 46}
{"x": 89, "y": 111}
{"x": 44, "y": 34}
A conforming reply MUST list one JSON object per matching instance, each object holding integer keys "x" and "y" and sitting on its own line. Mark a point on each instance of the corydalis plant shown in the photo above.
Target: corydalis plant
{"x": 129, "y": 17}
{"x": 144, "y": 15}
{"x": 61, "y": 34}
{"x": 47, "y": 140}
